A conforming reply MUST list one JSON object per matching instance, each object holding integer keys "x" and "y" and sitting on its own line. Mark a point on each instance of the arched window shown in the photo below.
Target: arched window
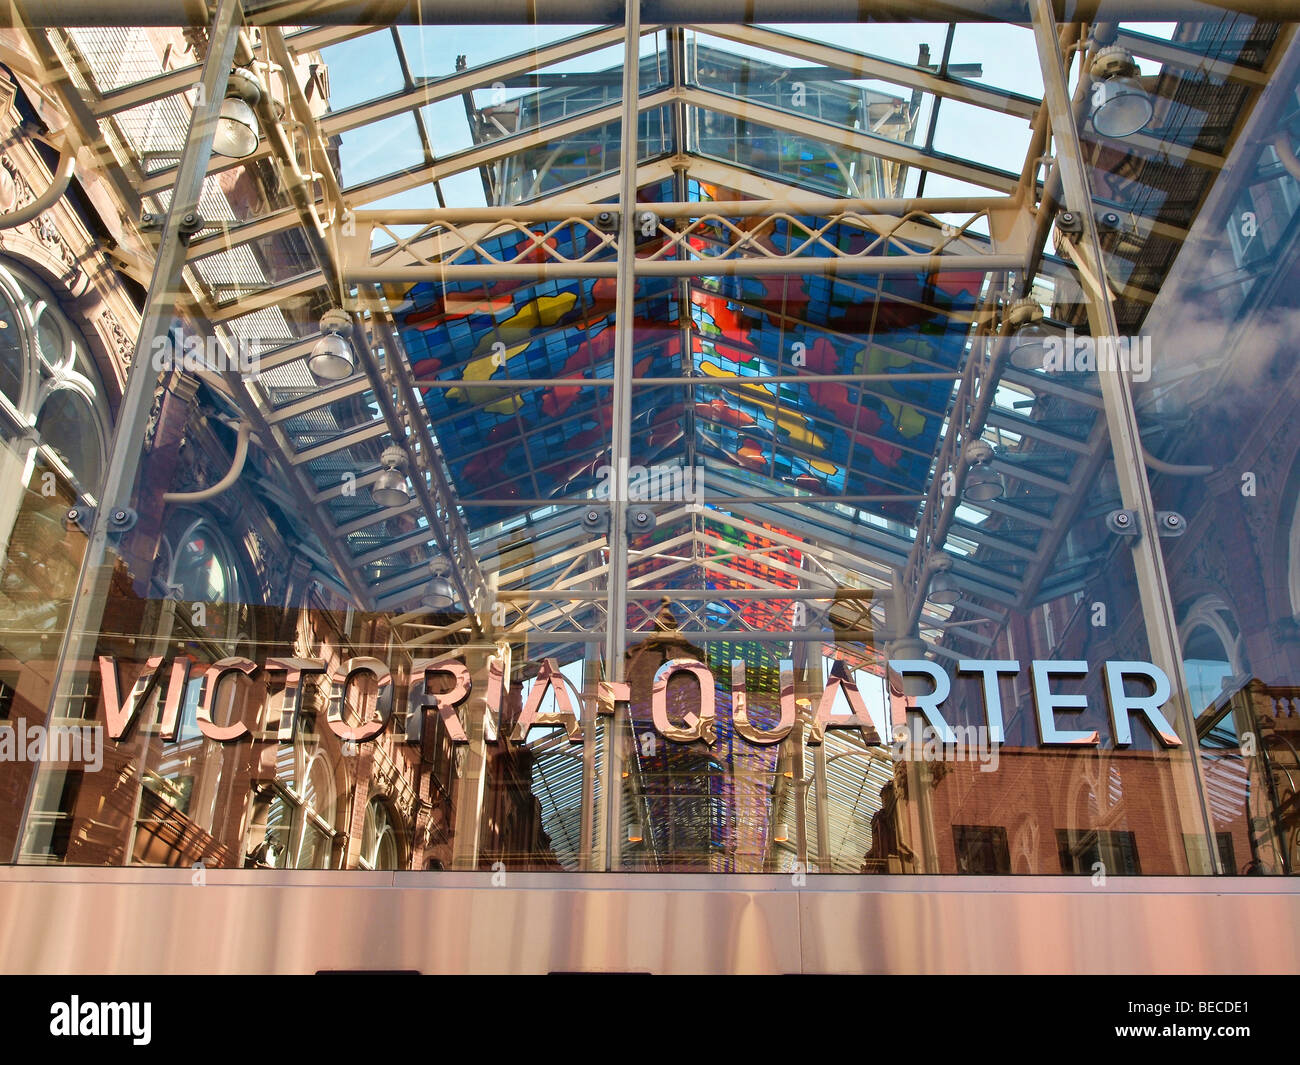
{"x": 1212, "y": 650}
{"x": 14, "y": 356}
{"x": 292, "y": 822}
{"x": 48, "y": 379}
{"x": 197, "y": 566}
{"x": 380, "y": 845}
{"x": 316, "y": 816}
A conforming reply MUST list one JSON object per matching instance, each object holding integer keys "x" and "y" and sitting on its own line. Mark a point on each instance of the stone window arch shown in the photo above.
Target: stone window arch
{"x": 1212, "y": 648}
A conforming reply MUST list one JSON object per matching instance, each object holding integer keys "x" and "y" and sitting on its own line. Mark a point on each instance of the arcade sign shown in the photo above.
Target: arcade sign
{"x": 927, "y": 684}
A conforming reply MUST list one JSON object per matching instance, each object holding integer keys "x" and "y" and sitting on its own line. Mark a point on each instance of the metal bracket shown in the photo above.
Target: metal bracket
{"x": 606, "y": 221}
{"x": 1108, "y": 221}
{"x": 80, "y": 517}
{"x": 596, "y": 519}
{"x": 191, "y": 222}
{"x": 640, "y": 520}
{"x": 120, "y": 519}
{"x": 1070, "y": 222}
{"x": 1170, "y": 523}
{"x": 1123, "y": 523}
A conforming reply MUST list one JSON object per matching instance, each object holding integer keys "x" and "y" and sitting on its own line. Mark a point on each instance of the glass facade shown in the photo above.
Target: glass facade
{"x": 883, "y": 463}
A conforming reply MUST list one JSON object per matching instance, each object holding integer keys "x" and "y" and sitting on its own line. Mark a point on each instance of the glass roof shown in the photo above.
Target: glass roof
{"x": 462, "y": 117}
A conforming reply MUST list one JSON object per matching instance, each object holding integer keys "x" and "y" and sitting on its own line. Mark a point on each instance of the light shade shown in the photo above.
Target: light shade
{"x": 331, "y": 358}
{"x": 982, "y": 484}
{"x": 634, "y": 833}
{"x": 236, "y": 135}
{"x": 944, "y": 590}
{"x": 781, "y": 834}
{"x": 1027, "y": 346}
{"x": 389, "y": 489}
{"x": 1122, "y": 107}
{"x": 439, "y": 595}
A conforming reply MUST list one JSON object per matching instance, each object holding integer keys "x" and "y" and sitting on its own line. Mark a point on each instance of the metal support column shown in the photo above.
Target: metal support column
{"x": 587, "y": 803}
{"x": 122, "y": 466}
{"x": 621, "y": 429}
{"x": 1121, "y": 414}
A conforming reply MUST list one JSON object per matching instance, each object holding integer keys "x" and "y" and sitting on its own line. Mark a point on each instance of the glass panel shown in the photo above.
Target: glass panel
{"x": 380, "y": 148}
{"x": 428, "y": 48}
{"x": 980, "y": 53}
{"x": 362, "y": 69}
{"x": 899, "y": 43}
{"x": 974, "y": 133}
{"x": 789, "y": 530}
{"x": 1212, "y": 407}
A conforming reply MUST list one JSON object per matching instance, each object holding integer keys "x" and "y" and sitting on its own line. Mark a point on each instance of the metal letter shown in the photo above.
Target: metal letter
{"x": 696, "y": 726}
{"x": 282, "y": 707}
{"x": 990, "y": 669}
{"x": 549, "y": 677}
{"x": 373, "y": 720}
{"x": 419, "y": 700}
{"x": 929, "y": 704}
{"x": 859, "y": 716}
{"x": 180, "y": 680}
{"x": 121, "y": 715}
{"x": 1046, "y": 702}
{"x": 1121, "y": 705}
{"x": 208, "y": 697}
{"x": 740, "y": 706}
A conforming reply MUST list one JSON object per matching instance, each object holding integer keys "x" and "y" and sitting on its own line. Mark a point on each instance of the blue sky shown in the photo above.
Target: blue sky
{"x": 366, "y": 68}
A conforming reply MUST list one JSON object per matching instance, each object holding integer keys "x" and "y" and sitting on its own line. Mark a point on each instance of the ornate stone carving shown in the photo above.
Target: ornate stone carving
{"x": 46, "y": 232}
{"x": 272, "y": 566}
{"x": 118, "y": 338}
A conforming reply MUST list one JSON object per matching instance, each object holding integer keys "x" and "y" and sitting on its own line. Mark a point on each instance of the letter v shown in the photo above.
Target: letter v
{"x": 120, "y": 715}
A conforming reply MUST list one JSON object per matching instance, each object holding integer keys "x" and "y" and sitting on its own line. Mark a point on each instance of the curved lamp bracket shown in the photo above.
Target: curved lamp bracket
{"x": 47, "y": 199}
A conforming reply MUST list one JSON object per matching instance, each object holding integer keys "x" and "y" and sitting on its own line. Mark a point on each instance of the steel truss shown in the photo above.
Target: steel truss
{"x": 738, "y": 236}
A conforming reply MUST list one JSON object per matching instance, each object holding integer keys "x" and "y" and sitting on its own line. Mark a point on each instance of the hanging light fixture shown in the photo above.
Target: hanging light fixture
{"x": 332, "y": 357}
{"x": 1025, "y": 317}
{"x": 438, "y": 593}
{"x": 1120, "y": 106}
{"x": 238, "y": 132}
{"x": 634, "y": 834}
{"x": 983, "y": 484}
{"x": 982, "y": 481}
{"x": 782, "y": 834}
{"x": 389, "y": 489}
{"x": 943, "y": 588}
